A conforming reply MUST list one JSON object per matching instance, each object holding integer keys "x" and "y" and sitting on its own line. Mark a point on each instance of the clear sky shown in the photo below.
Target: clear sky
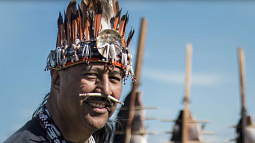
{"x": 28, "y": 31}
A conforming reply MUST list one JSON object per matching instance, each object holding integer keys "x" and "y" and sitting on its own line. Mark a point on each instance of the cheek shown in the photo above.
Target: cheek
{"x": 117, "y": 89}
{"x": 86, "y": 86}
{"x": 70, "y": 86}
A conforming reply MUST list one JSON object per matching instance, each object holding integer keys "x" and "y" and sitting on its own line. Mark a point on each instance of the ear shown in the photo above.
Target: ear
{"x": 55, "y": 80}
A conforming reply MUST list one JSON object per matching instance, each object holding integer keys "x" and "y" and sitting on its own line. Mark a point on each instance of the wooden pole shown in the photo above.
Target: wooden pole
{"x": 242, "y": 89}
{"x": 187, "y": 92}
{"x": 139, "y": 55}
{"x": 138, "y": 67}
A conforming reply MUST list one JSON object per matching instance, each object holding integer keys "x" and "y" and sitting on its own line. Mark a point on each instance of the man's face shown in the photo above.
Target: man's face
{"x": 82, "y": 78}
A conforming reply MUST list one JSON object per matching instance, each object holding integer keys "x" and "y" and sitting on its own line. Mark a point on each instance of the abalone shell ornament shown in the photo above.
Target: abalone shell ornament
{"x": 108, "y": 37}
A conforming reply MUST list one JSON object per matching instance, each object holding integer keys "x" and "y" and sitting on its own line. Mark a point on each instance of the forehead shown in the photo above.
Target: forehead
{"x": 96, "y": 67}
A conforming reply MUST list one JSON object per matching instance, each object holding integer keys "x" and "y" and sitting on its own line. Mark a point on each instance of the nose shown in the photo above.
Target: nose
{"x": 104, "y": 85}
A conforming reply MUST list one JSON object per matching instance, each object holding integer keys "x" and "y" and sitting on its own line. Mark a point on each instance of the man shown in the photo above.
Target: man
{"x": 87, "y": 68}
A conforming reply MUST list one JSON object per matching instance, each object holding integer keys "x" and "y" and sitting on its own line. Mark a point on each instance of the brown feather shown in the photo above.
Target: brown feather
{"x": 131, "y": 33}
{"x": 123, "y": 40}
{"x": 116, "y": 21}
{"x": 125, "y": 25}
{"x": 64, "y": 34}
{"x": 98, "y": 18}
{"x": 90, "y": 4}
{"x": 117, "y": 6}
{"x": 85, "y": 22}
{"x": 91, "y": 19}
{"x": 74, "y": 27}
{"x": 71, "y": 8}
{"x": 87, "y": 33}
{"x": 118, "y": 10}
{"x": 94, "y": 4}
{"x": 124, "y": 29}
{"x": 67, "y": 30}
{"x": 86, "y": 2}
{"x": 60, "y": 38}
{"x": 79, "y": 23}
{"x": 98, "y": 24}
{"x": 122, "y": 22}
{"x": 114, "y": 8}
{"x": 89, "y": 24}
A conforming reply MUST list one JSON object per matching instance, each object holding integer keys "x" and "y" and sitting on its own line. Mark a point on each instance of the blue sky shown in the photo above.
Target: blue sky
{"x": 28, "y": 31}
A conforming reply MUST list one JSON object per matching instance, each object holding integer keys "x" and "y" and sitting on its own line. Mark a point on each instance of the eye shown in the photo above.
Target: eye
{"x": 115, "y": 78}
{"x": 90, "y": 75}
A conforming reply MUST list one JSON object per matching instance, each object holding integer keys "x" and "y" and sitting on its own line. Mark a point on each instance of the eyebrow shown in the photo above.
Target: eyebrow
{"x": 96, "y": 69}
{"x": 115, "y": 72}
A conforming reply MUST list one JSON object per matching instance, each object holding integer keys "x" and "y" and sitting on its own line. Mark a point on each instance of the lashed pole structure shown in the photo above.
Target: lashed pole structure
{"x": 138, "y": 131}
{"x": 138, "y": 67}
{"x": 187, "y": 92}
{"x": 127, "y": 115}
{"x": 131, "y": 116}
{"x": 186, "y": 129}
{"x": 244, "y": 128}
{"x": 242, "y": 77}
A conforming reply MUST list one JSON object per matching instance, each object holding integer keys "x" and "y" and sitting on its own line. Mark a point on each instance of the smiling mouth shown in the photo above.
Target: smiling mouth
{"x": 98, "y": 102}
{"x": 97, "y": 105}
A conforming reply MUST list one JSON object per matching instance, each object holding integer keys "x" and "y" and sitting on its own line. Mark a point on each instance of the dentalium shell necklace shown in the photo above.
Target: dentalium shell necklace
{"x": 53, "y": 135}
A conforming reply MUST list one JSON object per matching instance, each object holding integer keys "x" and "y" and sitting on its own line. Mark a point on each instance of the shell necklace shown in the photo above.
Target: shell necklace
{"x": 53, "y": 135}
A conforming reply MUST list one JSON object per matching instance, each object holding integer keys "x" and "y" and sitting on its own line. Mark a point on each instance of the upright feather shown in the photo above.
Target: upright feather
{"x": 117, "y": 6}
{"x": 67, "y": 30}
{"x": 79, "y": 23}
{"x": 86, "y": 2}
{"x": 58, "y": 40}
{"x": 125, "y": 25}
{"x": 98, "y": 18}
{"x": 71, "y": 8}
{"x": 85, "y": 22}
{"x": 74, "y": 27}
{"x": 60, "y": 30}
{"x": 131, "y": 33}
{"x": 124, "y": 30}
{"x": 91, "y": 21}
{"x": 114, "y": 8}
{"x": 122, "y": 22}
{"x": 116, "y": 21}
{"x": 118, "y": 10}
{"x": 93, "y": 3}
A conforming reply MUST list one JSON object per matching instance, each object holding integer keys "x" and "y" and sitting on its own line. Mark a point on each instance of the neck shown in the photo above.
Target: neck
{"x": 70, "y": 131}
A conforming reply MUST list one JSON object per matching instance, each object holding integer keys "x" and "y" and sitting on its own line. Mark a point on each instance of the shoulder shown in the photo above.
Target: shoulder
{"x": 31, "y": 132}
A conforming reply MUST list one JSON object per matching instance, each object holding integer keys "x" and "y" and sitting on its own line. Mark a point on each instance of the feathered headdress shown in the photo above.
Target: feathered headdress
{"x": 93, "y": 32}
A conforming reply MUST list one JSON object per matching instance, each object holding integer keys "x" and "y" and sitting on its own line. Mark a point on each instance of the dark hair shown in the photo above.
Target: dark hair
{"x": 103, "y": 135}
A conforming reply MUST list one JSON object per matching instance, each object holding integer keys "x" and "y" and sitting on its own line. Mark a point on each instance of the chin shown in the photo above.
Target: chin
{"x": 96, "y": 122}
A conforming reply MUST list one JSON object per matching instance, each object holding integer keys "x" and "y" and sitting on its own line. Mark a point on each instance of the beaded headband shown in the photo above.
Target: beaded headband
{"x": 95, "y": 32}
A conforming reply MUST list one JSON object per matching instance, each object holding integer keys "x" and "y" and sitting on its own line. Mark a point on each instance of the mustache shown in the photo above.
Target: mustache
{"x": 101, "y": 95}
{"x": 94, "y": 98}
